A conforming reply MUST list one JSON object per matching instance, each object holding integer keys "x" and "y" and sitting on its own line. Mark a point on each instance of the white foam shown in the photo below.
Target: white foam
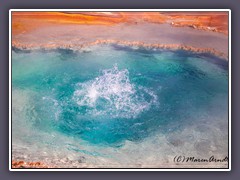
{"x": 113, "y": 94}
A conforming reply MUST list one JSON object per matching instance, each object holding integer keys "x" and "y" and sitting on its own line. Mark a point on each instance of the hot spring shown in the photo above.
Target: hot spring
{"x": 116, "y": 106}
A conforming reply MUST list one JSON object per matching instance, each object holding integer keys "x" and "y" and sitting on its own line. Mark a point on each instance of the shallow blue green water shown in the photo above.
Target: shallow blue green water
{"x": 109, "y": 94}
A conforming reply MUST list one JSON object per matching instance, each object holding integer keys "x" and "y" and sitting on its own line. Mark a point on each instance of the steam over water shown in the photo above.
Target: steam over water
{"x": 114, "y": 106}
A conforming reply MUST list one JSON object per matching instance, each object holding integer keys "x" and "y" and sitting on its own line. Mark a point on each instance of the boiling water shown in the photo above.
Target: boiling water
{"x": 114, "y": 106}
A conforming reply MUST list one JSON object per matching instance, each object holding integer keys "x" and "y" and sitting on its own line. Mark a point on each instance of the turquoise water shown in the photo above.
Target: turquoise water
{"x": 108, "y": 95}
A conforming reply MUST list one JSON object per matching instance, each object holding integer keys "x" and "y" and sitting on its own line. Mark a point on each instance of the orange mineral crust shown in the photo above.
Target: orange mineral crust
{"x": 23, "y": 22}
{"x": 212, "y": 21}
{"x": 23, "y": 164}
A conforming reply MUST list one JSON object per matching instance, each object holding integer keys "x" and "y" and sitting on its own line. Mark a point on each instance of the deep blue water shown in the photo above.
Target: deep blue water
{"x": 109, "y": 94}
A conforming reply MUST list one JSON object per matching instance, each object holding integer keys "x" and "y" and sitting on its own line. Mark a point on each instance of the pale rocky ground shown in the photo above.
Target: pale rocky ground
{"x": 58, "y": 35}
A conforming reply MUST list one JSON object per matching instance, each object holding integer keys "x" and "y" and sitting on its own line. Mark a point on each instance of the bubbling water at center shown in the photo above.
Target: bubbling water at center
{"x": 118, "y": 107}
{"x": 114, "y": 95}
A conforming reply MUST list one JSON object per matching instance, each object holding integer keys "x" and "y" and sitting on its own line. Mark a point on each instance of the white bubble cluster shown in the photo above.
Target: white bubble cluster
{"x": 114, "y": 95}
